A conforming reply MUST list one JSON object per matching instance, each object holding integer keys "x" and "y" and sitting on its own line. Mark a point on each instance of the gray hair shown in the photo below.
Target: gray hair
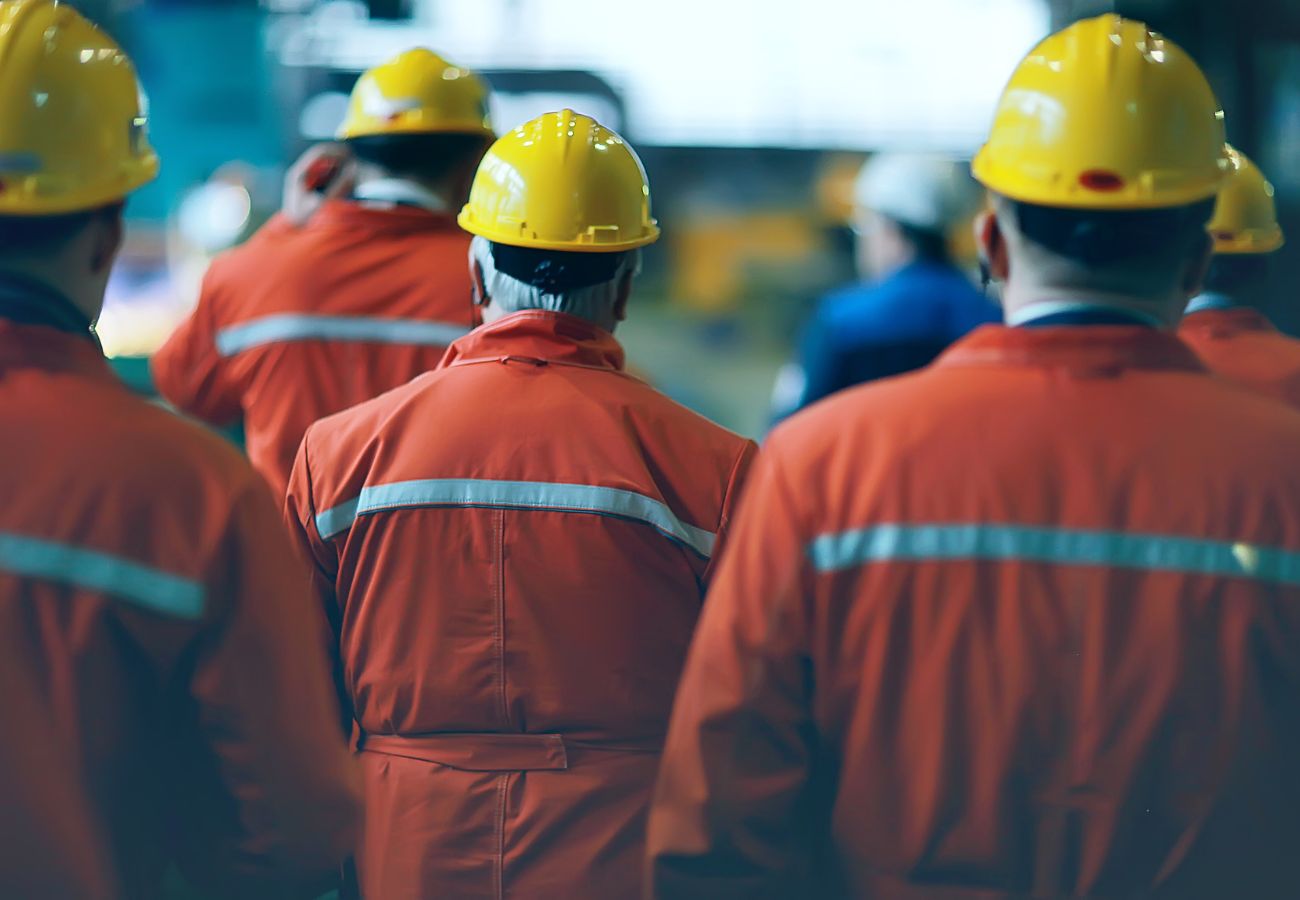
{"x": 594, "y": 303}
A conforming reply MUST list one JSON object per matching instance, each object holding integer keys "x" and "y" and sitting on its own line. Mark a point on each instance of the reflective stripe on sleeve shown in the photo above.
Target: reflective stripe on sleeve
{"x": 536, "y": 495}
{"x": 1060, "y": 546}
{"x": 363, "y": 329}
{"x": 93, "y": 570}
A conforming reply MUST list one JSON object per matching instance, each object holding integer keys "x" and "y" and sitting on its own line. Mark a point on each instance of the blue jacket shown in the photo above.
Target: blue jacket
{"x": 868, "y": 331}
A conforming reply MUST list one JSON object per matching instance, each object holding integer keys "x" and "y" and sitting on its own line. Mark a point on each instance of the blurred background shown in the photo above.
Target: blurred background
{"x": 752, "y": 118}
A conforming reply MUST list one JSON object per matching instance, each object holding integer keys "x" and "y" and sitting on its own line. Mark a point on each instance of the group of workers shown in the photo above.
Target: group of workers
{"x": 1013, "y": 625}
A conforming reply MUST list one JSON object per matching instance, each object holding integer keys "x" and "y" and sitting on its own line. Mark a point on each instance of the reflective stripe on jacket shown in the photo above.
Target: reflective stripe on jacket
{"x": 301, "y": 323}
{"x": 513, "y": 551}
{"x": 163, "y": 674}
{"x": 1023, "y": 624}
{"x": 1242, "y": 345}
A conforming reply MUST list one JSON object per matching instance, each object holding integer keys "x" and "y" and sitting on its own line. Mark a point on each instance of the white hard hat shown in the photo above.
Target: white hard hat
{"x": 928, "y": 192}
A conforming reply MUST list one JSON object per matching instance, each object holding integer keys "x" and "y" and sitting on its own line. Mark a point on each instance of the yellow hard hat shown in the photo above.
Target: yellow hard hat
{"x": 1245, "y": 217}
{"x": 1105, "y": 115}
{"x": 417, "y": 92}
{"x": 561, "y": 182}
{"x": 73, "y": 119}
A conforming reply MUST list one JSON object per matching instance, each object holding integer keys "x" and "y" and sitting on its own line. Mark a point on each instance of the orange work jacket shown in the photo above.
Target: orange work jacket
{"x": 165, "y": 680}
{"x": 1024, "y": 624}
{"x": 513, "y": 552}
{"x": 1242, "y": 345}
{"x": 299, "y": 323}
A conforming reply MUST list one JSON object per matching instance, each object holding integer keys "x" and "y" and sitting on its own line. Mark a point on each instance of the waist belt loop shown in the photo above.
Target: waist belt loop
{"x": 474, "y": 752}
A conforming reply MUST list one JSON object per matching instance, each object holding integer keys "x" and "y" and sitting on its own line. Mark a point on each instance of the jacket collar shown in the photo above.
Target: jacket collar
{"x": 28, "y": 302}
{"x": 400, "y": 218}
{"x": 1046, "y": 313}
{"x": 1211, "y": 300}
{"x": 1225, "y": 321}
{"x": 43, "y": 347}
{"x": 539, "y": 336}
{"x": 387, "y": 193}
{"x": 1087, "y": 348}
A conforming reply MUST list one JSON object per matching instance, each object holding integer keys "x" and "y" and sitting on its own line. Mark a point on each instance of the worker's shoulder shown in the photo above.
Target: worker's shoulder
{"x": 1244, "y": 409}
{"x": 256, "y": 262}
{"x": 368, "y": 419}
{"x": 837, "y": 418}
{"x": 1281, "y": 346}
{"x": 162, "y": 439}
{"x": 944, "y": 403}
{"x": 144, "y": 454}
{"x": 642, "y": 400}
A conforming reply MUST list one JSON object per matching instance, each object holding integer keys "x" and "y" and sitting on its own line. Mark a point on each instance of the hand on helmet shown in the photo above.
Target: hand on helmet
{"x": 323, "y": 172}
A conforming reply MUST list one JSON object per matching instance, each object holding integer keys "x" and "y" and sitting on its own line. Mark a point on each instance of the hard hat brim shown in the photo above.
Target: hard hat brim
{"x": 519, "y": 239}
{"x": 347, "y": 132}
{"x": 1136, "y": 194}
{"x": 1254, "y": 242}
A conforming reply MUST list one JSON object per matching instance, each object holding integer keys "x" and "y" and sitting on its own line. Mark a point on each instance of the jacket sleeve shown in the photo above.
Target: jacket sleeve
{"x": 731, "y": 815}
{"x": 270, "y": 793}
{"x": 730, "y": 504}
{"x": 188, "y": 370}
{"x": 321, "y": 564}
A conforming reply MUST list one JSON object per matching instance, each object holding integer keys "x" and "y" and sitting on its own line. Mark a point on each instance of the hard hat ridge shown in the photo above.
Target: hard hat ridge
{"x": 562, "y": 181}
{"x": 1105, "y": 114}
{"x": 417, "y": 92}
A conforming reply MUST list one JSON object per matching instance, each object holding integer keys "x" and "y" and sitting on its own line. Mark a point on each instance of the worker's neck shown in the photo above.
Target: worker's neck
{"x": 608, "y": 320}
{"x": 1023, "y": 300}
{"x": 377, "y": 185}
{"x": 886, "y": 258}
{"x": 53, "y": 275}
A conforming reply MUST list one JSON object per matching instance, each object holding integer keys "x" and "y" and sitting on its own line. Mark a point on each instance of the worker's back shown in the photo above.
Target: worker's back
{"x": 1242, "y": 345}
{"x": 519, "y": 543}
{"x": 1049, "y": 609}
{"x": 155, "y": 648}
{"x": 877, "y": 330}
{"x": 304, "y": 322}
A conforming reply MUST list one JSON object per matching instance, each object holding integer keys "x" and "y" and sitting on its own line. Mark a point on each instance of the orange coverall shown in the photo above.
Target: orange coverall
{"x": 164, "y": 675}
{"x": 299, "y": 323}
{"x": 513, "y": 551}
{"x": 1023, "y": 624}
{"x": 1242, "y": 345}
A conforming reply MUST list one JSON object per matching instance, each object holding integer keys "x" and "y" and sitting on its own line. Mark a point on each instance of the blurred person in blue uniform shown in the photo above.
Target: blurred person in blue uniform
{"x": 913, "y": 302}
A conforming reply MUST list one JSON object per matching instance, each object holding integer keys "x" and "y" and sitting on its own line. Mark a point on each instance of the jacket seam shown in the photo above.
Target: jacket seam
{"x": 499, "y": 854}
{"x": 499, "y": 626}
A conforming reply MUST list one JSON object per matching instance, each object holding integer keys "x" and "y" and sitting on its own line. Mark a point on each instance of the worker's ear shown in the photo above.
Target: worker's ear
{"x": 992, "y": 245}
{"x": 1199, "y": 266}
{"x": 478, "y": 285}
{"x": 624, "y": 293}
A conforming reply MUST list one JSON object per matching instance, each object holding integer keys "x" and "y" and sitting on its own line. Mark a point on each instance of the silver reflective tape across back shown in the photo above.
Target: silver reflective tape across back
{"x": 537, "y": 495}
{"x": 92, "y": 570}
{"x": 1060, "y": 546}
{"x": 362, "y": 329}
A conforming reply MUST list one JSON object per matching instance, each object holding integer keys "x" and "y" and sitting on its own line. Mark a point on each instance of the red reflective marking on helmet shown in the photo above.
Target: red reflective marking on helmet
{"x": 1101, "y": 180}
